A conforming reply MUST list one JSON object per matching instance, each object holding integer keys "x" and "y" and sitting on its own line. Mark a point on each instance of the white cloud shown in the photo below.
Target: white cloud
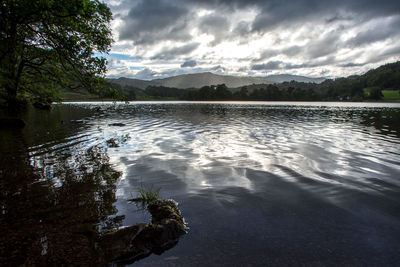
{"x": 331, "y": 39}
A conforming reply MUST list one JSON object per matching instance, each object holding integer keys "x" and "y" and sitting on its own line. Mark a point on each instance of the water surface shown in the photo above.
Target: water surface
{"x": 258, "y": 183}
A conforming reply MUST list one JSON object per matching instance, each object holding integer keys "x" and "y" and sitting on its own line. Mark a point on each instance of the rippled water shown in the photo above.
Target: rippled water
{"x": 258, "y": 183}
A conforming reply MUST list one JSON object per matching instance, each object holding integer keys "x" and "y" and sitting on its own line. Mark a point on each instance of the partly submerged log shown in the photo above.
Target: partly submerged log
{"x": 128, "y": 244}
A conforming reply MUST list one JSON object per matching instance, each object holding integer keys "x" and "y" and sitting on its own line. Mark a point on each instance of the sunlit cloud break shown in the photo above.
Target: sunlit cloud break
{"x": 160, "y": 38}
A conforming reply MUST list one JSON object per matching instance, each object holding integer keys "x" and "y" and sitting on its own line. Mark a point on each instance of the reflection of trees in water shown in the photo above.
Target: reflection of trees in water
{"x": 44, "y": 222}
{"x": 56, "y": 194}
{"x": 387, "y": 121}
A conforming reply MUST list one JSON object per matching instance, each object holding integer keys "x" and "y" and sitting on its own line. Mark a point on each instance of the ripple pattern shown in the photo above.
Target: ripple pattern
{"x": 297, "y": 166}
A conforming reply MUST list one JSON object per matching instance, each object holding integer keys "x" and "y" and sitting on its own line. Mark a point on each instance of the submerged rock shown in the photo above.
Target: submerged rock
{"x": 128, "y": 244}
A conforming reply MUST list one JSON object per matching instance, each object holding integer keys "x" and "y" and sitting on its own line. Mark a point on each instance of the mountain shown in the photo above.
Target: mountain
{"x": 199, "y": 80}
{"x": 280, "y": 78}
{"x": 141, "y": 84}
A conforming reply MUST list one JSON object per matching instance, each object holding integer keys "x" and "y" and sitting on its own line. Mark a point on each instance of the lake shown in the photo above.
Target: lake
{"x": 259, "y": 183}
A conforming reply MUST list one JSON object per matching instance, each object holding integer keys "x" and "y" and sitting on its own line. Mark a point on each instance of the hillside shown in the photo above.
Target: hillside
{"x": 199, "y": 80}
{"x": 385, "y": 77}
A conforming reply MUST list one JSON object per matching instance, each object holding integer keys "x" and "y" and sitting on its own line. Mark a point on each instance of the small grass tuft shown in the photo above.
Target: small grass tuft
{"x": 146, "y": 195}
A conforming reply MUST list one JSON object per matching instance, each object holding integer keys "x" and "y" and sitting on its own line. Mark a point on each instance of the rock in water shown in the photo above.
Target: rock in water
{"x": 128, "y": 244}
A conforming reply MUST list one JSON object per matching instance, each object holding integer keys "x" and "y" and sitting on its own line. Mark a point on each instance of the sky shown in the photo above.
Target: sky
{"x": 314, "y": 38}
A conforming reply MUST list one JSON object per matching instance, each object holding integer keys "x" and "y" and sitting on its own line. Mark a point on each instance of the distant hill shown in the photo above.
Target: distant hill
{"x": 141, "y": 84}
{"x": 199, "y": 80}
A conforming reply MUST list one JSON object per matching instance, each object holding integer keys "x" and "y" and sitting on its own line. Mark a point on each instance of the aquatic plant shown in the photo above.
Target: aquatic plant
{"x": 146, "y": 195}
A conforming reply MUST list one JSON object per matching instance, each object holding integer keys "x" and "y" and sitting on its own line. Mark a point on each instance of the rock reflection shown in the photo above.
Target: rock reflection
{"x": 386, "y": 121}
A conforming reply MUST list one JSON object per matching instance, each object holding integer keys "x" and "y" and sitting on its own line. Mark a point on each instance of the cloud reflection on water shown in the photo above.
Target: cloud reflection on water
{"x": 210, "y": 146}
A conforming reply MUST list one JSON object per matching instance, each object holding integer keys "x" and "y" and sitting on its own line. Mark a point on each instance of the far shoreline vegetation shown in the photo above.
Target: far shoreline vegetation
{"x": 377, "y": 85}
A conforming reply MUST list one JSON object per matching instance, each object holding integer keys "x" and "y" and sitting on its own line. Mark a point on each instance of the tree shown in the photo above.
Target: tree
{"x": 46, "y": 45}
{"x": 206, "y": 93}
{"x": 243, "y": 92}
{"x": 222, "y": 92}
{"x": 375, "y": 93}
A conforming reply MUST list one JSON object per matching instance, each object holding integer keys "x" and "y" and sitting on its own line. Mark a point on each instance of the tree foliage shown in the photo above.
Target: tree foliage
{"x": 46, "y": 45}
{"x": 384, "y": 77}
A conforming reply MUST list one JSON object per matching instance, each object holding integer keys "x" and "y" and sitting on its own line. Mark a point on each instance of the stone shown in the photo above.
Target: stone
{"x": 128, "y": 244}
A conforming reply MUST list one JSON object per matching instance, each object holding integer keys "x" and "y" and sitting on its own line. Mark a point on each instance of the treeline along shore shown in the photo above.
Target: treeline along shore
{"x": 380, "y": 84}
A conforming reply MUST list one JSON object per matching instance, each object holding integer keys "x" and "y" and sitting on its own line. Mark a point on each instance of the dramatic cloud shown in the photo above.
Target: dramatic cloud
{"x": 145, "y": 74}
{"x": 272, "y": 65}
{"x": 156, "y": 38}
{"x": 215, "y": 25}
{"x": 151, "y": 20}
{"x": 189, "y": 64}
{"x": 327, "y": 44}
{"x": 171, "y": 53}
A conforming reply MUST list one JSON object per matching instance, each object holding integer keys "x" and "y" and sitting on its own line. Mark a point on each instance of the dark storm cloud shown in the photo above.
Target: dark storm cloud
{"x": 242, "y": 29}
{"x": 172, "y": 53}
{"x": 152, "y": 20}
{"x": 271, "y": 65}
{"x": 277, "y": 12}
{"x": 280, "y": 13}
{"x": 215, "y": 25}
{"x": 189, "y": 64}
{"x": 337, "y": 18}
{"x": 351, "y": 65}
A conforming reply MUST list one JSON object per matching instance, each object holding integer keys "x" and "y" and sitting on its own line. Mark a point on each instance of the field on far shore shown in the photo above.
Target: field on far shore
{"x": 391, "y": 95}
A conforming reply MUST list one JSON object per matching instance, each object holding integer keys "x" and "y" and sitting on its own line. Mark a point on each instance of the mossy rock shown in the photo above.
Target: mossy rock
{"x": 163, "y": 210}
{"x": 128, "y": 244}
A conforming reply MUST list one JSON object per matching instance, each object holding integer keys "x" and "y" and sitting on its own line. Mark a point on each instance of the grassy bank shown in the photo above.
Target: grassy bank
{"x": 388, "y": 95}
{"x": 391, "y": 95}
